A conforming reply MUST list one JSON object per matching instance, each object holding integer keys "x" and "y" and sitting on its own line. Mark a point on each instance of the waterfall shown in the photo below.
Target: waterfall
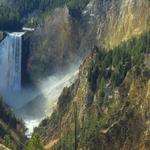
{"x": 10, "y": 61}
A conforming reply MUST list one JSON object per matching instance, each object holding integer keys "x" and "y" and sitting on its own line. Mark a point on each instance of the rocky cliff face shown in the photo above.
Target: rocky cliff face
{"x": 55, "y": 45}
{"x": 2, "y": 35}
{"x": 112, "y": 22}
{"x": 124, "y": 123}
{"x": 103, "y": 109}
{"x": 65, "y": 39}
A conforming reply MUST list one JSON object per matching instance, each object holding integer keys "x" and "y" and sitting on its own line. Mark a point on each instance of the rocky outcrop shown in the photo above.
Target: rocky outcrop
{"x": 2, "y": 147}
{"x": 102, "y": 109}
{"x": 54, "y": 46}
{"x": 2, "y": 35}
{"x": 64, "y": 39}
{"x": 127, "y": 125}
{"x": 110, "y": 22}
{"x": 26, "y": 42}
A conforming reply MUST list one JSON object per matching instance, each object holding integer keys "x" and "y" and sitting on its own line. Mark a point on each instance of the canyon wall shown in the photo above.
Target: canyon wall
{"x": 65, "y": 39}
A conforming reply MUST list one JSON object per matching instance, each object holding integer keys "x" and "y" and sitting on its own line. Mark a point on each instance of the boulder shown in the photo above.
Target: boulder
{"x": 2, "y": 35}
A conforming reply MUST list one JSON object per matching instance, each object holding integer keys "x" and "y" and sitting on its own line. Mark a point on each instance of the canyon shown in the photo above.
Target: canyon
{"x": 77, "y": 74}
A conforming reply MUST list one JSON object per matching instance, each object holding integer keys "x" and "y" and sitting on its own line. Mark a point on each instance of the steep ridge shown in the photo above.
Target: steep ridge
{"x": 11, "y": 129}
{"x": 69, "y": 29}
{"x": 111, "y": 22}
{"x": 54, "y": 46}
{"x": 103, "y": 109}
{"x": 65, "y": 38}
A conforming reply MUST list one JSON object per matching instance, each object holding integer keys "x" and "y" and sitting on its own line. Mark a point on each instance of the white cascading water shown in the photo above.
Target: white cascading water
{"x": 10, "y": 82}
{"x": 10, "y": 61}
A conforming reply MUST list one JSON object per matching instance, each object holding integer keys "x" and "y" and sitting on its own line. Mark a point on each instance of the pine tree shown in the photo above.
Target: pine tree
{"x": 34, "y": 143}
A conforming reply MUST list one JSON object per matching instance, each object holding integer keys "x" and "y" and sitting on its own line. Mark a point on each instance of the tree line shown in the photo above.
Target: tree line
{"x": 15, "y": 13}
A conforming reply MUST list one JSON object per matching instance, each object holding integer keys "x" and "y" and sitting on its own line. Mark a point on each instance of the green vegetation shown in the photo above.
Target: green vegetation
{"x": 8, "y": 18}
{"x": 111, "y": 66}
{"x": 11, "y": 128}
{"x": 7, "y": 115}
{"x": 15, "y": 13}
{"x": 34, "y": 143}
{"x": 9, "y": 142}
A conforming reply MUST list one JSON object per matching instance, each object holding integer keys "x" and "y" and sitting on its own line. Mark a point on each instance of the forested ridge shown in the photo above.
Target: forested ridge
{"x": 12, "y": 129}
{"x": 108, "y": 106}
{"x": 103, "y": 108}
{"x": 15, "y": 13}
